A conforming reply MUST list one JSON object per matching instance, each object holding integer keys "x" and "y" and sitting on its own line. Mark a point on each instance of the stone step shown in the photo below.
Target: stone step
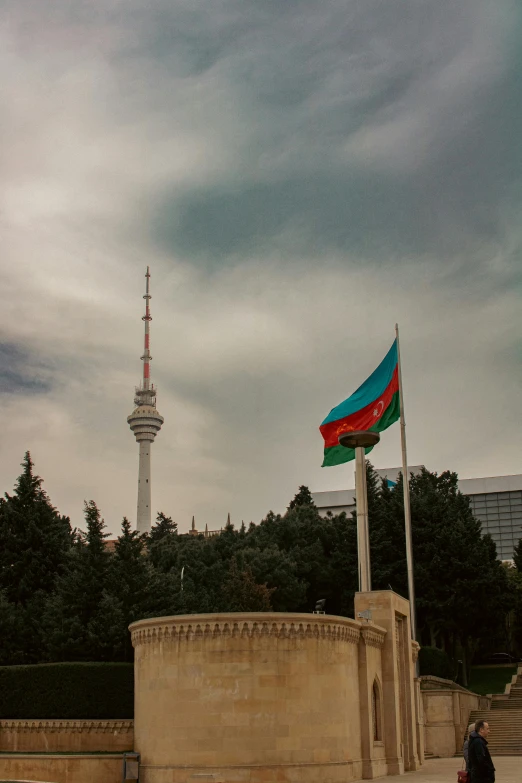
{"x": 505, "y": 727}
{"x": 499, "y": 717}
{"x": 515, "y": 701}
{"x": 512, "y": 729}
{"x": 511, "y": 742}
{"x": 509, "y": 707}
{"x": 514, "y": 743}
{"x": 511, "y": 714}
{"x": 504, "y": 721}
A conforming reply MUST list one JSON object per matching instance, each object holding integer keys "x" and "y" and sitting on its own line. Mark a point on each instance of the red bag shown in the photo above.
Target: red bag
{"x": 462, "y": 776}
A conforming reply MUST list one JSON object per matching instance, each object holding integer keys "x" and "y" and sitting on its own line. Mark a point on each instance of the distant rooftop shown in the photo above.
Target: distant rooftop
{"x": 344, "y": 499}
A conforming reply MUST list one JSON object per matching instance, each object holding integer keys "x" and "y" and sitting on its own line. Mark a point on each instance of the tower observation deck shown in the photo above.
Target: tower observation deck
{"x": 145, "y": 422}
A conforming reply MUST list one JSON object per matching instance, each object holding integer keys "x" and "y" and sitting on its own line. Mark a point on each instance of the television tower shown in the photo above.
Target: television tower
{"x": 145, "y": 422}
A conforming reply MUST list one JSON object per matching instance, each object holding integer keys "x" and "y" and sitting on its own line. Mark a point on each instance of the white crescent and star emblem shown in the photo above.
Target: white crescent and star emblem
{"x": 379, "y": 409}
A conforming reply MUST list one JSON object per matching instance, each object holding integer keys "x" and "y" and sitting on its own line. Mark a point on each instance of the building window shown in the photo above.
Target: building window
{"x": 376, "y": 712}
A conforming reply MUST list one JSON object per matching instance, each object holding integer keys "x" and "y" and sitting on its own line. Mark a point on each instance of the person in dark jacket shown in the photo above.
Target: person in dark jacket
{"x": 480, "y": 764}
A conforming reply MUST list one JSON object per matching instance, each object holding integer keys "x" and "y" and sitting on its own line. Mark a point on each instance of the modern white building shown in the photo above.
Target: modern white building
{"x": 496, "y": 501}
{"x": 145, "y": 422}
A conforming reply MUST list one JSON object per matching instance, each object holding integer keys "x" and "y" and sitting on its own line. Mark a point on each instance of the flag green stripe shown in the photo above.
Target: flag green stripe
{"x": 338, "y": 455}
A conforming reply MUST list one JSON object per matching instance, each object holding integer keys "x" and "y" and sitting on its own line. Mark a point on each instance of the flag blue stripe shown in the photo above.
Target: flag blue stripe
{"x": 371, "y": 389}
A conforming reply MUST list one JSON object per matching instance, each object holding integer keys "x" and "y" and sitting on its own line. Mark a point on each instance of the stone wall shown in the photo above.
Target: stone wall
{"x": 73, "y": 736}
{"x": 61, "y": 769}
{"x": 447, "y": 707}
{"x": 249, "y": 698}
{"x": 271, "y": 696}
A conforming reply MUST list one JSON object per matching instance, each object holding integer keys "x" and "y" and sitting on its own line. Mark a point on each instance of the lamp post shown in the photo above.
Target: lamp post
{"x": 361, "y": 440}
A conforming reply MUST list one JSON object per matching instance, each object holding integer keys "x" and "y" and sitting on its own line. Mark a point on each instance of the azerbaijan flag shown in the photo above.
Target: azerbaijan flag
{"x": 374, "y": 406}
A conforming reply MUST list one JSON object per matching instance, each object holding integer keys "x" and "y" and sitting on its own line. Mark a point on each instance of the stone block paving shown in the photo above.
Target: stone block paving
{"x": 445, "y": 771}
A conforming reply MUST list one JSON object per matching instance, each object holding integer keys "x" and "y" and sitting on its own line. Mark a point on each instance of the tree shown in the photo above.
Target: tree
{"x": 303, "y": 498}
{"x": 243, "y": 594}
{"x": 163, "y": 543}
{"x": 517, "y": 555}
{"x": 13, "y": 649}
{"x": 278, "y": 571}
{"x": 34, "y": 544}
{"x": 460, "y": 586}
{"x": 71, "y": 614}
{"x": 164, "y": 527}
{"x": 34, "y": 539}
{"x": 130, "y": 593}
{"x": 64, "y": 596}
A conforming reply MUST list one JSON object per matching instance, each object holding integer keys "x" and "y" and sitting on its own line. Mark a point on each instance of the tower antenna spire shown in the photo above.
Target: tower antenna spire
{"x": 147, "y": 318}
{"x": 145, "y": 422}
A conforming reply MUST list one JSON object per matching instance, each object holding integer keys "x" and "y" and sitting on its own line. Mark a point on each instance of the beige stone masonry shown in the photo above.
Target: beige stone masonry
{"x": 259, "y": 697}
{"x": 401, "y": 703}
{"x": 254, "y": 625}
{"x": 80, "y": 736}
{"x": 447, "y": 707}
{"x": 61, "y": 769}
{"x": 249, "y": 697}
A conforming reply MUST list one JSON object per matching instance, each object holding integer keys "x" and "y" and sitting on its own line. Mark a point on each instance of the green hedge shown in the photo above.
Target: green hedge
{"x": 67, "y": 690}
{"x": 435, "y": 662}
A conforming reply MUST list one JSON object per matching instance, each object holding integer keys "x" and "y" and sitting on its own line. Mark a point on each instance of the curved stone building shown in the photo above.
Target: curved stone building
{"x": 276, "y": 697}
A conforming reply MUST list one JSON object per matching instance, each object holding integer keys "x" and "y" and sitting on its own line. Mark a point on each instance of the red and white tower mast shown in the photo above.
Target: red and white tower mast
{"x": 145, "y": 422}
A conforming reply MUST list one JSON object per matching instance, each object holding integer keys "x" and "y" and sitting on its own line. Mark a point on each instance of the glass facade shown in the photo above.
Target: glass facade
{"x": 500, "y": 514}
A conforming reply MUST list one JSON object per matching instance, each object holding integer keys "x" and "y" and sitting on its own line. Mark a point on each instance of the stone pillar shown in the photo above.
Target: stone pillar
{"x": 391, "y": 612}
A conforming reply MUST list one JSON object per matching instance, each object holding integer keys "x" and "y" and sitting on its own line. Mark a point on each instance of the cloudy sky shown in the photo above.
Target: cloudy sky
{"x": 299, "y": 176}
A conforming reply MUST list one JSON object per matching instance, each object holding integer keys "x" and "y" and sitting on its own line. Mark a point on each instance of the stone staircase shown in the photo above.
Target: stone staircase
{"x": 505, "y": 719}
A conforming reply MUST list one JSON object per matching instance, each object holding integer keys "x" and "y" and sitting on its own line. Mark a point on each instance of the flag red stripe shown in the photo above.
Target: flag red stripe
{"x": 363, "y": 419}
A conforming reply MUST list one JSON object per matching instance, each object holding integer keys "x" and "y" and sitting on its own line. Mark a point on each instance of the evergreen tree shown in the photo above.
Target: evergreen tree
{"x": 34, "y": 539}
{"x": 72, "y": 614}
{"x": 34, "y": 544}
{"x": 130, "y": 588}
{"x": 278, "y": 571}
{"x": 15, "y": 644}
{"x": 164, "y": 527}
{"x": 163, "y": 543}
{"x": 243, "y": 594}
{"x": 460, "y": 585}
{"x": 303, "y": 498}
{"x": 86, "y": 597}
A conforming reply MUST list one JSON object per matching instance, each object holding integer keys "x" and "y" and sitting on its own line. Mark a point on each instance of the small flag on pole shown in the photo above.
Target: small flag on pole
{"x": 374, "y": 406}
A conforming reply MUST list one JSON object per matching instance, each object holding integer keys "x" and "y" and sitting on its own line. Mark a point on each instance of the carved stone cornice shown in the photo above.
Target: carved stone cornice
{"x": 373, "y": 636}
{"x": 188, "y": 628}
{"x": 70, "y": 726}
{"x": 415, "y": 647}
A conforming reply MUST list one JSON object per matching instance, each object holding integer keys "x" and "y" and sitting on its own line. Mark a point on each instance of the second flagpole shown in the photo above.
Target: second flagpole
{"x": 406, "y": 489}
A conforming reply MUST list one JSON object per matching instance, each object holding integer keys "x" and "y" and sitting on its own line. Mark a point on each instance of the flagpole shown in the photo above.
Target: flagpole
{"x": 406, "y": 489}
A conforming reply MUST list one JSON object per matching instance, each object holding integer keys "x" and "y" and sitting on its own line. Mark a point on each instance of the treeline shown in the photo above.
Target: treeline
{"x": 65, "y": 597}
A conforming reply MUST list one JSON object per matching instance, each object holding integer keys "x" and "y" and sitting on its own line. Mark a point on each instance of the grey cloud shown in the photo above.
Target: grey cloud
{"x": 22, "y": 373}
{"x": 390, "y": 130}
{"x": 370, "y": 216}
{"x": 299, "y": 175}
